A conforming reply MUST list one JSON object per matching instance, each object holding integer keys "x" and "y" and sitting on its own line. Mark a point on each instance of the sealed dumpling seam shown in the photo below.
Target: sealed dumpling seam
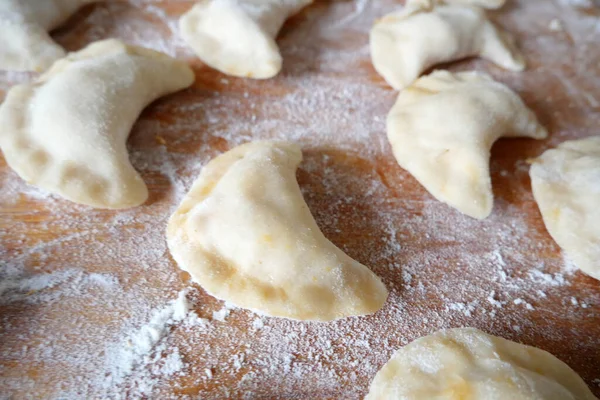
{"x": 25, "y": 44}
{"x": 237, "y": 37}
{"x": 566, "y": 187}
{"x": 468, "y": 364}
{"x": 66, "y": 132}
{"x": 246, "y": 235}
{"x": 406, "y": 43}
{"x": 442, "y": 129}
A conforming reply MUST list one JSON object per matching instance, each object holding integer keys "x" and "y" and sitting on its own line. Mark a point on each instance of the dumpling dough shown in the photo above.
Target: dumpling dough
{"x": 489, "y": 4}
{"x": 467, "y": 364}
{"x": 25, "y": 44}
{"x": 566, "y": 186}
{"x": 407, "y": 42}
{"x": 237, "y": 37}
{"x": 245, "y": 234}
{"x": 66, "y": 131}
{"x": 442, "y": 129}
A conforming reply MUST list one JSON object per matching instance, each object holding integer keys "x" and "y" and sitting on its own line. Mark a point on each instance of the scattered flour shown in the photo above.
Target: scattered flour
{"x": 38, "y": 288}
{"x": 94, "y": 307}
{"x": 555, "y": 25}
{"x": 142, "y": 347}
{"x": 220, "y": 315}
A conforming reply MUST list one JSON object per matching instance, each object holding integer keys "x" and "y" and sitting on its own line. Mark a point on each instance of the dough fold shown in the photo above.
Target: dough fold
{"x": 566, "y": 187}
{"x": 66, "y": 132}
{"x": 465, "y": 363}
{"x": 246, "y": 235}
{"x": 25, "y": 44}
{"x": 442, "y": 129}
{"x": 237, "y": 37}
{"x": 406, "y": 43}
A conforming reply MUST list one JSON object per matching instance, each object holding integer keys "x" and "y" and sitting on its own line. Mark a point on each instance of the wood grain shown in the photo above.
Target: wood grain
{"x": 363, "y": 201}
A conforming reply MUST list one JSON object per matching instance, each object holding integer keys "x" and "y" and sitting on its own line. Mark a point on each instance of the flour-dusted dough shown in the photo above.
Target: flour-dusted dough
{"x": 566, "y": 186}
{"x": 66, "y": 131}
{"x": 442, "y": 129}
{"x": 467, "y": 364}
{"x": 25, "y": 44}
{"x": 407, "y": 42}
{"x": 237, "y": 37}
{"x": 489, "y": 4}
{"x": 246, "y": 236}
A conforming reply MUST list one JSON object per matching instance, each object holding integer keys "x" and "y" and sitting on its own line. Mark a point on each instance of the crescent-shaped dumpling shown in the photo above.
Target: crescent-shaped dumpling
{"x": 237, "y": 37}
{"x": 406, "y": 43}
{"x": 466, "y": 363}
{"x": 66, "y": 131}
{"x": 25, "y": 44}
{"x": 566, "y": 187}
{"x": 442, "y": 129}
{"x": 246, "y": 235}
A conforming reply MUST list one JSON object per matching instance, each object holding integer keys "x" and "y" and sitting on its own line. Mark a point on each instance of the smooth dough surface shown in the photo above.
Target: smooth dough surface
{"x": 25, "y": 44}
{"x": 566, "y": 186}
{"x": 237, "y": 37}
{"x": 468, "y": 364}
{"x": 246, "y": 235}
{"x": 406, "y": 43}
{"x": 66, "y": 131}
{"x": 442, "y": 129}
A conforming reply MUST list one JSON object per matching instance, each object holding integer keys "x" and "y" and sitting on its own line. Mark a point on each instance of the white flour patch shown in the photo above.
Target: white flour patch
{"x": 40, "y": 288}
{"x": 94, "y": 307}
{"x": 143, "y": 347}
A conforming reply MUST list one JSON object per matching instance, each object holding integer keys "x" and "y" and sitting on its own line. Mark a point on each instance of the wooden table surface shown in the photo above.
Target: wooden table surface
{"x": 79, "y": 286}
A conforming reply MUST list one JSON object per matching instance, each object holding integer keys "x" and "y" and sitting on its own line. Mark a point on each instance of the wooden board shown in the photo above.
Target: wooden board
{"x": 82, "y": 287}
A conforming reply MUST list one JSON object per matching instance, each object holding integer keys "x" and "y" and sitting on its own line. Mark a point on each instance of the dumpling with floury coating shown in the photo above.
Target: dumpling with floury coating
{"x": 442, "y": 129}
{"x": 25, "y": 44}
{"x": 66, "y": 131}
{"x": 468, "y": 364}
{"x": 246, "y": 235}
{"x": 237, "y": 37}
{"x": 566, "y": 187}
{"x": 406, "y": 43}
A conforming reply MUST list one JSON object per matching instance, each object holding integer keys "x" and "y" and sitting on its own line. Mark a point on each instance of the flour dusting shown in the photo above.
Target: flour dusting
{"x": 94, "y": 306}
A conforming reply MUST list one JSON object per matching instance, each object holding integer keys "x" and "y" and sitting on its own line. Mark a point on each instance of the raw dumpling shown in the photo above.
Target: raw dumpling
{"x": 237, "y": 37}
{"x": 66, "y": 131}
{"x": 408, "y": 42}
{"x": 566, "y": 186}
{"x": 25, "y": 44}
{"x": 465, "y": 363}
{"x": 245, "y": 234}
{"x": 442, "y": 129}
{"x": 489, "y": 4}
